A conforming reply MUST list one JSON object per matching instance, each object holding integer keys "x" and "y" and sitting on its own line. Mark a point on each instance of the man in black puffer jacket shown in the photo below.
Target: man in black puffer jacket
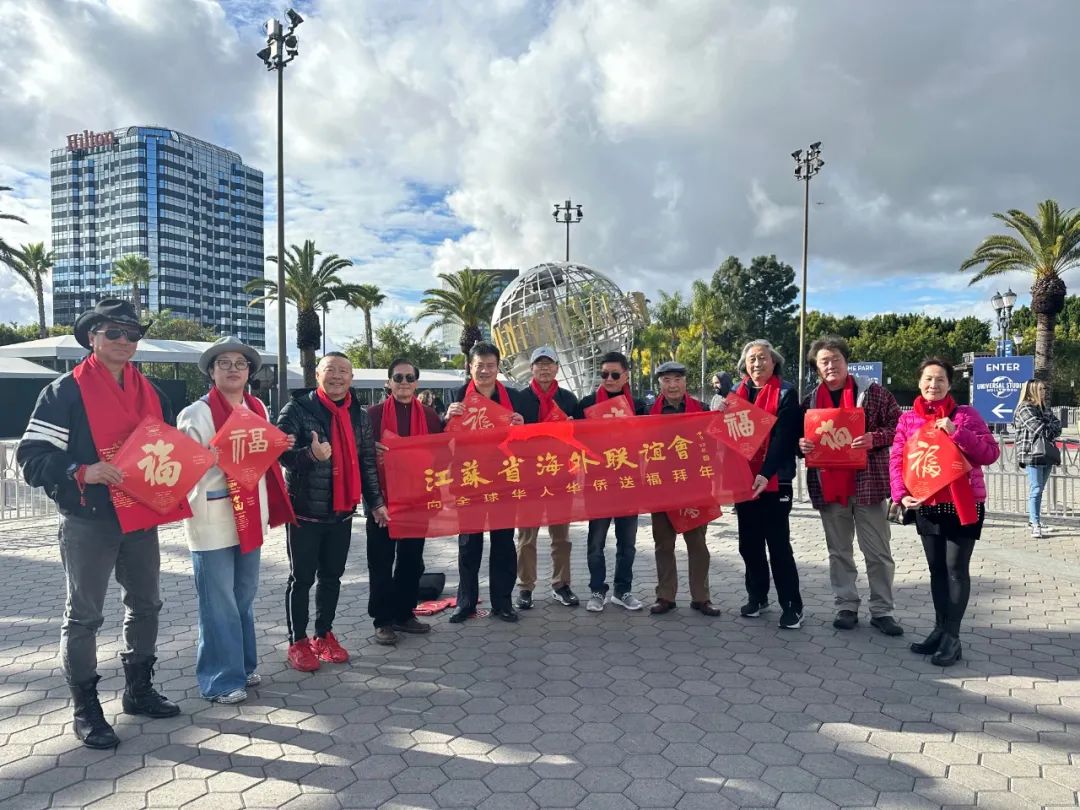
{"x": 329, "y": 469}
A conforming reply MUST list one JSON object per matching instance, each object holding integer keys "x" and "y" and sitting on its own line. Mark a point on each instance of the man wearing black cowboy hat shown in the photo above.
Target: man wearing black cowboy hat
{"x": 79, "y": 421}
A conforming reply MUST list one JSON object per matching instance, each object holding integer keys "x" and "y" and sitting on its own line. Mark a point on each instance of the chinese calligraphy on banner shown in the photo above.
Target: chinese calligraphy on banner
{"x": 614, "y": 408}
{"x": 931, "y": 462}
{"x": 247, "y": 445}
{"x": 160, "y": 464}
{"x": 745, "y": 426}
{"x": 558, "y": 472}
{"x": 832, "y": 430}
{"x": 481, "y": 413}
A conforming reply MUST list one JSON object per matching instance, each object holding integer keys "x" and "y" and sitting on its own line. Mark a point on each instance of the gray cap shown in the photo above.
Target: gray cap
{"x": 230, "y": 344}
{"x": 544, "y": 351}
{"x": 670, "y": 367}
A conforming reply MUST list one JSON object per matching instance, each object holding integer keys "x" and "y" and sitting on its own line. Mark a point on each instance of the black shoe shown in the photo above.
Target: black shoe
{"x": 461, "y": 615}
{"x": 565, "y": 596}
{"x": 948, "y": 653}
{"x": 413, "y": 626}
{"x": 506, "y": 613}
{"x": 790, "y": 619}
{"x": 90, "y": 724}
{"x": 753, "y": 608}
{"x": 524, "y": 600}
{"x": 140, "y": 697}
{"x": 887, "y": 625}
{"x": 846, "y": 620}
{"x": 705, "y": 608}
{"x": 931, "y": 644}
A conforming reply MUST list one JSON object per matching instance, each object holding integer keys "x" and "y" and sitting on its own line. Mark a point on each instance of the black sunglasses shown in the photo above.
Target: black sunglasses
{"x": 614, "y": 375}
{"x": 404, "y": 378}
{"x": 114, "y": 333}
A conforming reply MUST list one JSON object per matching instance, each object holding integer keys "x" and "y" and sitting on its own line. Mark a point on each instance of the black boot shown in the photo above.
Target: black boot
{"x": 948, "y": 653}
{"x": 90, "y": 724}
{"x": 140, "y": 697}
{"x": 932, "y": 642}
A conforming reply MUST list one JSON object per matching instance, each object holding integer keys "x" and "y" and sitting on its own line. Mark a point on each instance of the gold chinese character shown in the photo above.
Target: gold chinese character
{"x": 239, "y": 445}
{"x": 470, "y": 475}
{"x": 617, "y": 458}
{"x": 491, "y": 497}
{"x": 437, "y": 478}
{"x": 157, "y": 466}
{"x": 705, "y": 471}
{"x": 518, "y": 494}
{"x": 924, "y": 460}
{"x": 679, "y": 445}
{"x": 257, "y": 443}
{"x": 833, "y": 437}
{"x": 626, "y": 482}
{"x": 547, "y": 493}
{"x": 548, "y": 464}
{"x": 653, "y": 479}
{"x": 434, "y": 504}
{"x": 462, "y": 501}
{"x": 511, "y": 470}
{"x": 477, "y": 419}
{"x": 739, "y": 425}
{"x": 653, "y": 451}
{"x": 600, "y": 485}
{"x": 678, "y": 475}
{"x": 574, "y": 487}
{"x": 579, "y": 460}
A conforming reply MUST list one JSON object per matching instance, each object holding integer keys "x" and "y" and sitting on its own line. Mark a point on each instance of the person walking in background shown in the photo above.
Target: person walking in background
{"x": 1036, "y": 429}
{"x": 948, "y": 538}
{"x": 721, "y": 385}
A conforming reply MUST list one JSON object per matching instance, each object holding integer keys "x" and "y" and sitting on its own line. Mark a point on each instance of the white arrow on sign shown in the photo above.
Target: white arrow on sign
{"x": 1000, "y": 410}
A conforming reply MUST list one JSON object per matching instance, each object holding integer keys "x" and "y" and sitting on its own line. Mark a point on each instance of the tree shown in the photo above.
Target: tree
{"x": 310, "y": 289}
{"x": 672, "y": 318}
{"x": 467, "y": 300}
{"x": 394, "y": 339}
{"x": 1048, "y": 247}
{"x": 705, "y": 313}
{"x": 167, "y": 326}
{"x": 135, "y": 270}
{"x": 367, "y": 297}
{"x": 32, "y": 264}
{"x": 5, "y": 248}
{"x": 15, "y": 333}
{"x": 757, "y": 302}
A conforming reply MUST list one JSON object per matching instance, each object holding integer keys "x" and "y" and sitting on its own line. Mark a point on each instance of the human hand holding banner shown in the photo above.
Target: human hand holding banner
{"x": 832, "y": 430}
{"x": 613, "y": 408}
{"x": 247, "y": 445}
{"x": 932, "y": 461}
{"x": 160, "y": 465}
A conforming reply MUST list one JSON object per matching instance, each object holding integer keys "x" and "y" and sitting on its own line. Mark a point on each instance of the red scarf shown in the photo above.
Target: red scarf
{"x": 692, "y": 405}
{"x": 344, "y": 462}
{"x": 768, "y": 399}
{"x": 417, "y": 419}
{"x": 959, "y": 493}
{"x": 602, "y": 395}
{"x": 245, "y": 502}
{"x": 113, "y": 412}
{"x": 500, "y": 389}
{"x": 837, "y": 486}
{"x": 547, "y": 398}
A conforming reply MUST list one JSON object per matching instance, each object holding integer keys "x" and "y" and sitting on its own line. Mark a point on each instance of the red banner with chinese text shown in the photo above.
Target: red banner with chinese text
{"x": 481, "y": 413}
{"x": 558, "y": 472}
{"x": 932, "y": 461}
{"x": 247, "y": 445}
{"x": 832, "y": 430}
{"x": 614, "y": 408}
{"x": 745, "y": 426}
{"x": 161, "y": 465}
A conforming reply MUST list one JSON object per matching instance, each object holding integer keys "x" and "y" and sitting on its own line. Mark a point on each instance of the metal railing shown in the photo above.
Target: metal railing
{"x": 19, "y": 500}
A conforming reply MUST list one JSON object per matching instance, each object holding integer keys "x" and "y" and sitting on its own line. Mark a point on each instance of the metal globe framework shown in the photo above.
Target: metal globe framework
{"x": 576, "y": 310}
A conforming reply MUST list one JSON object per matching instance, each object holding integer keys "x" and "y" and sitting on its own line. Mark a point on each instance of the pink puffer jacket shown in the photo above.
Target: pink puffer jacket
{"x": 972, "y": 437}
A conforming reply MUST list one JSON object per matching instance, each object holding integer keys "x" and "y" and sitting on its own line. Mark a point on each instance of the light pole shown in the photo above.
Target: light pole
{"x": 568, "y": 211}
{"x": 281, "y": 48}
{"x": 806, "y": 166}
{"x": 1003, "y": 309}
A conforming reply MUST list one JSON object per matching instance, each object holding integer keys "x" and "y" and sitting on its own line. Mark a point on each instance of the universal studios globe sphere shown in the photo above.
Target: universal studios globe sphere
{"x": 576, "y": 310}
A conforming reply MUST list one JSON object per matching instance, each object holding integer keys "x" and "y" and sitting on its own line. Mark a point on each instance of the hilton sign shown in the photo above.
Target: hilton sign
{"x": 89, "y": 140}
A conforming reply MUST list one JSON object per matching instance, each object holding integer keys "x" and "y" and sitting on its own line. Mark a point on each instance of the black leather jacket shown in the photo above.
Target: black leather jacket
{"x": 310, "y": 482}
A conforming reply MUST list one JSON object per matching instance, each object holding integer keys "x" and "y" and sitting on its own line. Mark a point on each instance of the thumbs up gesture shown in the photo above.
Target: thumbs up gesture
{"x": 320, "y": 450}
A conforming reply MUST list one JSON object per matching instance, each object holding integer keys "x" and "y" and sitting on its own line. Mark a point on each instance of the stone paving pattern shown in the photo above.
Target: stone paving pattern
{"x": 570, "y": 709}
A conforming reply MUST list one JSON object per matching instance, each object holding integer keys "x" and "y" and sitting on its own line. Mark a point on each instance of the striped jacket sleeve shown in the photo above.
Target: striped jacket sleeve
{"x": 43, "y": 452}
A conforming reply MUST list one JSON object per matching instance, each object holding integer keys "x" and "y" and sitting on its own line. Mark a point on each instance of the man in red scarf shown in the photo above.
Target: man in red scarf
{"x": 855, "y": 504}
{"x": 673, "y": 399}
{"x": 541, "y": 401}
{"x": 78, "y": 423}
{"x": 395, "y": 566}
{"x": 329, "y": 470}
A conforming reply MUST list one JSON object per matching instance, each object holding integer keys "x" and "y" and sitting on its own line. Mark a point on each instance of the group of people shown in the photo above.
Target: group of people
{"x": 334, "y": 463}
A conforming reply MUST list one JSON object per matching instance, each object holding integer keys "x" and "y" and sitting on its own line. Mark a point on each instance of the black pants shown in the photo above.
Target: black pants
{"x": 316, "y": 551}
{"x": 394, "y": 569}
{"x": 502, "y": 568}
{"x": 763, "y": 523}
{"x": 950, "y": 581}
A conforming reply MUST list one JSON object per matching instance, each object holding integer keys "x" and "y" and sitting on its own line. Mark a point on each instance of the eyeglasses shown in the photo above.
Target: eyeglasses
{"x": 614, "y": 375}
{"x": 404, "y": 378}
{"x": 226, "y": 365}
{"x": 115, "y": 332}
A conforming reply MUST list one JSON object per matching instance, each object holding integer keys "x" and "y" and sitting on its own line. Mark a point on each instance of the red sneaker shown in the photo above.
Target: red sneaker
{"x": 302, "y": 657}
{"x": 327, "y": 649}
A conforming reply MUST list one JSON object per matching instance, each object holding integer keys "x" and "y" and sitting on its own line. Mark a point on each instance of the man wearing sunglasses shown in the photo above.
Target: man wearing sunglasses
{"x": 395, "y": 566}
{"x": 542, "y": 400}
{"x": 77, "y": 423}
{"x": 614, "y": 382}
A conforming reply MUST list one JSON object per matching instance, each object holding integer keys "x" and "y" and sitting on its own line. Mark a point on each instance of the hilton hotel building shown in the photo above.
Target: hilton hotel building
{"x": 193, "y": 208}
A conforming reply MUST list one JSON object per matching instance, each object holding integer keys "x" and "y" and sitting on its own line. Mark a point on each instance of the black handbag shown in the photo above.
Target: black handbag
{"x": 431, "y": 586}
{"x": 1044, "y": 453}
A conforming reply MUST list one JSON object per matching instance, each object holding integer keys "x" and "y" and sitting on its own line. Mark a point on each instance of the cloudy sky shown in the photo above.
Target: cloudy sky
{"x": 423, "y": 137}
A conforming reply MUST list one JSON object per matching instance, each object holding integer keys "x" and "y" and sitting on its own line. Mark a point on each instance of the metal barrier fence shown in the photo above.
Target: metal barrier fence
{"x": 19, "y": 500}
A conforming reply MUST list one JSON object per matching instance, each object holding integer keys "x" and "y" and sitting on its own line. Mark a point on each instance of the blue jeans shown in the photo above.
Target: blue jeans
{"x": 226, "y": 582}
{"x": 1037, "y": 478}
{"x": 625, "y": 551}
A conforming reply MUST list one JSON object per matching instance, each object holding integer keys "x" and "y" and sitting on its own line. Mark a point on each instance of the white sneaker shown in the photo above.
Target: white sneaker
{"x": 229, "y": 698}
{"x": 627, "y": 600}
{"x": 1044, "y": 528}
{"x": 1036, "y": 531}
{"x": 596, "y": 602}
{"x": 254, "y": 679}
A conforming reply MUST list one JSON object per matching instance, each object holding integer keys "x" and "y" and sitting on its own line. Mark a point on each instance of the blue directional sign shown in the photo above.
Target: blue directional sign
{"x": 871, "y": 370}
{"x": 996, "y": 382}
{"x": 1006, "y": 348}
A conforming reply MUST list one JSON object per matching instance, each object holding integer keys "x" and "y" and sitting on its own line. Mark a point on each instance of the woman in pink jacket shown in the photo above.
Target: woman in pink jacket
{"x": 950, "y": 521}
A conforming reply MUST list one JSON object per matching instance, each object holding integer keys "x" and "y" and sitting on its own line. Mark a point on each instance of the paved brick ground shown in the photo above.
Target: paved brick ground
{"x": 572, "y": 709}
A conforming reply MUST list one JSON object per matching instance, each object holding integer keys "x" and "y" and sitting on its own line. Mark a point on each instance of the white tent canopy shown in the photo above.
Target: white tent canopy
{"x": 17, "y": 367}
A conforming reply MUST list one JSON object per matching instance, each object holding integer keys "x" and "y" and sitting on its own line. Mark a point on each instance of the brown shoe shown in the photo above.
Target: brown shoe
{"x": 705, "y": 608}
{"x": 385, "y": 636}
{"x": 412, "y": 626}
{"x": 662, "y": 606}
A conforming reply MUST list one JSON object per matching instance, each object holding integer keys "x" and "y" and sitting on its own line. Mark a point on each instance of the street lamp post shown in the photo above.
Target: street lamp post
{"x": 1003, "y": 309}
{"x": 568, "y": 211}
{"x": 807, "y": 165}
{"x": 281, "y": 48}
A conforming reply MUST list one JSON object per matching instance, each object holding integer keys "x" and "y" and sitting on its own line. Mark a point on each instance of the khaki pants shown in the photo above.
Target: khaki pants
{"x": 870, "y": 524}
{"x": 560, "y": 556}
{"x": 667, "y": 573}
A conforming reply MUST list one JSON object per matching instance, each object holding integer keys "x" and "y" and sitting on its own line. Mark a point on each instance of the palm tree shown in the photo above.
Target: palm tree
{"x": 6, "y": 249}
{"x": 705, "y": 312}
{"x": 1047, "y": 249}
{"x": 649, "y": 339}
{"x": 32, "y": 263}
{"x": 672, "y": 317}
{"x": 367, "y": 297}
{"x": 132, "y": 269}
{"x": 310, "y": 289}
{"x": 467, "y": 300}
